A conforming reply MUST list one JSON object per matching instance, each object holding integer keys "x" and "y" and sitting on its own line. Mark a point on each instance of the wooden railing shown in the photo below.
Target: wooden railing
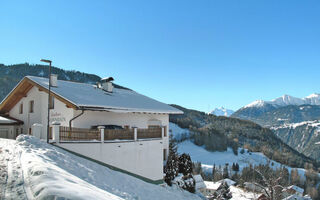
{"x": 149, "y": 133}
{"x": 78, "y": 134}
{"x": 121, "y": 134}
{"x": 83, "y": 134}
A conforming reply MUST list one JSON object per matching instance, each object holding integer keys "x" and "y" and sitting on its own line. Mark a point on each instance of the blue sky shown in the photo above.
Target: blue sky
{"x": 199, "y": 54}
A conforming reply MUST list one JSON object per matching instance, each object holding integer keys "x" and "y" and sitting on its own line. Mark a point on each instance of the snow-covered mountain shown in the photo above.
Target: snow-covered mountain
{"x": 222, "y": 112}
{"x": 281, "y": 113}
{"x": 286, "y": 100}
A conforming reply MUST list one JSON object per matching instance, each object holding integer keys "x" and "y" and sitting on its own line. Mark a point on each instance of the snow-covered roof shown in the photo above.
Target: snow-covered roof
{"x": 88, "y": 96}
{"x": 212, "y": 185}
{"x": 296, "y": 188}
{"x": 228, "y": 181}
{"x": 8, "y": 121}
{"x": 199, "y": 181}
{"x": 296, "y": 197}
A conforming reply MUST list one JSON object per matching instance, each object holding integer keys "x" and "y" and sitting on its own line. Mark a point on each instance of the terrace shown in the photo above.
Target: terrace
{"x": 65, "y": 134}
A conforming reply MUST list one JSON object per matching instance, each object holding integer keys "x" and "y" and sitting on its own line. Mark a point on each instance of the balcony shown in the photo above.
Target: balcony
{"x": 65, "y": 134}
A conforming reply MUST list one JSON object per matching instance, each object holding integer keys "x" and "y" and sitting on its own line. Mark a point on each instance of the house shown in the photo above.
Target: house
{"x": 292, "y": 190}
{"x": 297, "y": 197}
{"x": 228, "y": 181}
{"x": 105, "y": 122}
{"x": 211, "y": 187}
{"x": 253, "y": 187}
{"x": 10, "y": 127}
{"x": 199, "y": 182}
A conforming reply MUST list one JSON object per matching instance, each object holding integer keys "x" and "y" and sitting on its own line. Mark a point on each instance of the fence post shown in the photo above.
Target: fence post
{"x": 101, "y": 128}
{"x": 162, "y": 131}
{"x": 56, "y": 132}
{"x": 36, "y": 130}
{"x": 135, "y": 131}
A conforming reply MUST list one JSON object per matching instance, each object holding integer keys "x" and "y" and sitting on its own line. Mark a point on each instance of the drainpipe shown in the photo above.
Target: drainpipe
{"x": 82, "y": 111}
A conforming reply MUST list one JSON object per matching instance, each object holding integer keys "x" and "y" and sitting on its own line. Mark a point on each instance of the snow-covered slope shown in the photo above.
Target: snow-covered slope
{"x": 32, "y": 169}
{"x": 208, "y": 159}
{"x": 222, "y": 112}
{"x": 178, "y": 132}
{"x": 285, "y": 100}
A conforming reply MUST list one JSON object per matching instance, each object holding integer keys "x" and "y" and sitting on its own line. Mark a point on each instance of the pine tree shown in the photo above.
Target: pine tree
{"x": 213, "y": 171}
{"x": 171, "y": 168}
{"x": 185, "y": 164}
{"x": 225, "y": 172}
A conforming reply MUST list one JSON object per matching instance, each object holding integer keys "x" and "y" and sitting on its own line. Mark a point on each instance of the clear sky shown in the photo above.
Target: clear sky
{"x": 200, "y": 54}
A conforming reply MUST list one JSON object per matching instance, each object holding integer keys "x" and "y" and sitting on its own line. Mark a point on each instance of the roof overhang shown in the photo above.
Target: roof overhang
{"x": 7, "y": 121}
{"x": 21, "y": 90}
{"x": 124, "y": 110}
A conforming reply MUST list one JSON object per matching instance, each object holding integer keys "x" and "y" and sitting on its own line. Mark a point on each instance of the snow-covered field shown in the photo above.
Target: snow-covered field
{"x": 32, "y": 169}
{"x": 208, "y": 159}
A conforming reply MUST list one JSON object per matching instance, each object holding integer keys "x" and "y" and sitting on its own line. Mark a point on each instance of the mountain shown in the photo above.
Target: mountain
{"x": 286, "y": 100}
{"x": 290, "y": 119}
{"x": 303, "y": 136}
{"x": 218, "y": 133}
{"x": 10, "y": 75}
{"x": 257, "y": 108}
{"x": 222, "y": 112}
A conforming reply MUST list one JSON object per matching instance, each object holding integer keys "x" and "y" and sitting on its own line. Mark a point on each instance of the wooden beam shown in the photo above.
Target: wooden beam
{"x": 20, "y": 94}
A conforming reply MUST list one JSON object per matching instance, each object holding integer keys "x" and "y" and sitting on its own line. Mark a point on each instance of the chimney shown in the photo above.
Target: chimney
{"x": 106, "y": 84}
{"x": 54, "y": 80}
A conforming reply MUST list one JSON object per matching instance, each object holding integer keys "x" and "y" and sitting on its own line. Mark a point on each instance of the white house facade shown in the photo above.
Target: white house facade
{"x": 133, "y": 129}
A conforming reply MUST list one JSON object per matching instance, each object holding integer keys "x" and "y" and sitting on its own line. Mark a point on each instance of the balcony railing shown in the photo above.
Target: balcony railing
{"x": 78, "y": 134}
{"x": 82, "y": 134}
{"x": 122, "y": 134}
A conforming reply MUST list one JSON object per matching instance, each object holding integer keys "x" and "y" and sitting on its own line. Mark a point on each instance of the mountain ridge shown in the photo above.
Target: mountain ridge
{"x": 285, "y": 100}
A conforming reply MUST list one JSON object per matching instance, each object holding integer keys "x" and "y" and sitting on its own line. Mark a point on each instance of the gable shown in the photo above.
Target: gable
{"x": 21, "y": 90}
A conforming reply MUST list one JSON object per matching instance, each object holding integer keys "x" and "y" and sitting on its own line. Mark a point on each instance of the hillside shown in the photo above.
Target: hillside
{"x": 303, "y": 136}
{"x": 33, "y": 169}
{"x": 10, "y": 75}
{"x": 288, "y": 117}
{"x": 219, "y": 133}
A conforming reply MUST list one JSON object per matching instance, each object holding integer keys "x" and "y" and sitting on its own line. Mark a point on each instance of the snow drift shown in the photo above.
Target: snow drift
{"x": 32, "y": 169}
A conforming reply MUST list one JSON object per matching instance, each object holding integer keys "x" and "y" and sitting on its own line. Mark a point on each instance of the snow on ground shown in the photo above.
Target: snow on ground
{"x": 208, "y": 159}
{"x": 32, "y": 169}
{"x": 177, "y": 132}
{"x": 240, "y": 194}
{"x": 315, "y": 123}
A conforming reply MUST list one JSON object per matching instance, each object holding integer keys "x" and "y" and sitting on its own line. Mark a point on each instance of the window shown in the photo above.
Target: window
{"x": 51, "y": 103}
{"x": 21, "y": 108}
{"x": 31, "y": 106}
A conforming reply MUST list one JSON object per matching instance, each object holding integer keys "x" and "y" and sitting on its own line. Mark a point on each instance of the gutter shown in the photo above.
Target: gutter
{"x": 82, "y": 111}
